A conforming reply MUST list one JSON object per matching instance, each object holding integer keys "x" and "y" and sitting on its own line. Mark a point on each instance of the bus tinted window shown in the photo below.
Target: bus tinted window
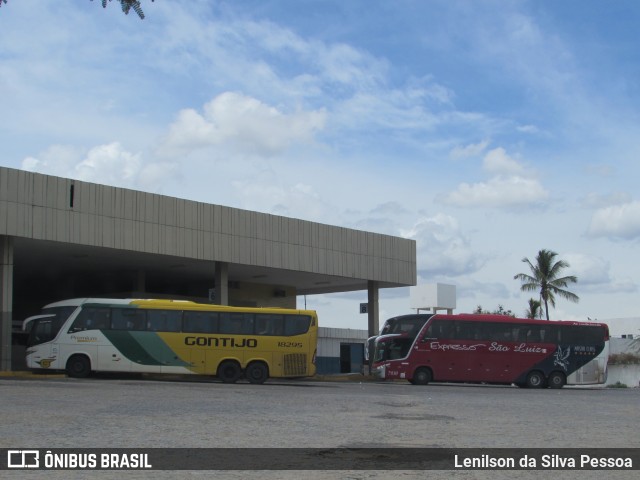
{"x": 45, "y": 330}
{"x": 92, "y": 318}
{"x": 296, "y": 324}
{"x": 200, "y": 322}
{"x": 60, "y": 314}
{"x": 441, "y": 330}
{"x": 164, "y": 320}
{"x": 128, "y": 319}
{"x": 236, "y": 323}
{"x": 582, "y": 335}
{"x": 268, "y": 324}
{"x": 407, "y": 326}
{"x": 497, "y": 332}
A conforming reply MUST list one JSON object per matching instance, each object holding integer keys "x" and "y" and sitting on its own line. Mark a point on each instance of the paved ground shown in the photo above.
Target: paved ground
{"x": 108, "y": 412}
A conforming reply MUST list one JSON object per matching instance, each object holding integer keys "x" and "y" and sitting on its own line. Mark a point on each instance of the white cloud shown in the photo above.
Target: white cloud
{"x": 391, "y": 209}
{"x": 594, "y": 275}
{"x": 443, "y": 249}
{"x": 107, "y": 164}
{"x": 470, "y": 150}
{"x": 617, "y": 222}
{"x": 510, "y": 187}
{"x": 56, "y": 160}
{"x": 498, "y": 192}
{"x": 528, "y": 129}
{"x": 497, "y": 161}
{"x": 594, "y": 200}
{"x": 271, "y": 193}
{"x": 244, "y": 123}
{"x": 589, "y": 269}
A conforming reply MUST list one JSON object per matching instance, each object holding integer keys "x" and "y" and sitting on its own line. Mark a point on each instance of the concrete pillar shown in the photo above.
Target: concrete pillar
{"x": 372, "y": 308}
{"x": 221, "y": 296}
{"x": 6, "y": 300}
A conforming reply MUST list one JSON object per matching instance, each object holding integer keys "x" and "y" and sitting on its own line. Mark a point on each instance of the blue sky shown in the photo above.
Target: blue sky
{"x": 484, "y": 130}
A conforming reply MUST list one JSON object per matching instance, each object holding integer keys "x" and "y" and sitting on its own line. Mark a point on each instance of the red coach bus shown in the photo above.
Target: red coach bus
{"x": 490, "y": 349}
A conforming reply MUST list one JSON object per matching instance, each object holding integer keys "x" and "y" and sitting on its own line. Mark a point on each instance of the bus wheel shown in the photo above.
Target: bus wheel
{"x": 421, "y": 376}
{"x": 557, "y": 380}
{"x": 535, "y": 379}
{"x": 229, "y": 371}
{"x": 257, "y": 372}
{"x": 78, "y": 366}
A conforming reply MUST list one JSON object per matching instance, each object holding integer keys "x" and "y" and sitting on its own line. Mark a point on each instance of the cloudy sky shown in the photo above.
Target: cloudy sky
{"x": 484, "y": 130}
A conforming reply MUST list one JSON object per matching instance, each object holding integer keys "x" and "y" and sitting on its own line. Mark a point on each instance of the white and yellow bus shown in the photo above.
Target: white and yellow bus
{"x": 88, "y": 335}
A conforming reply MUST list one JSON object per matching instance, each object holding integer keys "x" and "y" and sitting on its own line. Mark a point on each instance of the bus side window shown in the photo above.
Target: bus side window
{"x": 128, "y": 319}
{"x": 164, "y": 320}
{"x": 533, "y": 335}
{"x": 236, "y": 323}
{"x": 200, "y": 322}
{"x": 428, "y": 334}
{"x": 91, "y": 318}
{"x": 447, "y": 331}
{"x": 269, "y": 324}
{"x": 296, "y": 324}
{"x": 521, "y": 335}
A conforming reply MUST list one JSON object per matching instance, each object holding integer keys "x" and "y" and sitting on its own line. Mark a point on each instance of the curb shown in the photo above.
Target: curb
{"x": 28, "y": 374}
{"x": 355, "y": 377}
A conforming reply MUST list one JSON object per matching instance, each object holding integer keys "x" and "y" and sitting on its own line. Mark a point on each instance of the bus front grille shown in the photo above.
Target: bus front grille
{"x": 295, "y": 364}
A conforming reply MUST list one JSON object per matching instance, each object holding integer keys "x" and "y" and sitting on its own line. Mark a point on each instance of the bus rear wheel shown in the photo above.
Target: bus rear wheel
{"x": 229, "y": 371}
{"x": 78, "y": 366}
{"x": 557, "y": 380}
{"x": 421, "y": 376}
{"x": 257, "y": 372}
{"x": 535, "y": 379}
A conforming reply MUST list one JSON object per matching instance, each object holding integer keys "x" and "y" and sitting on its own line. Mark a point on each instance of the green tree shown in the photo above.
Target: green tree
{"x": 545, "y": 278}
{"x": 499, "y": 311}
{"x": 535, "y": 309}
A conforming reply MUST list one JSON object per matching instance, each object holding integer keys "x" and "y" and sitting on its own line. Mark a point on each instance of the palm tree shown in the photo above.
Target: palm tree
{"x": 126, "y": 6}
{"x": 546, "y": 279}
{"x": 535, "y": 309}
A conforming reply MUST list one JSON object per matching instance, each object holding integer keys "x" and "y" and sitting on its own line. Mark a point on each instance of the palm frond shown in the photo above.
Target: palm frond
{"x": 126, "y": 6}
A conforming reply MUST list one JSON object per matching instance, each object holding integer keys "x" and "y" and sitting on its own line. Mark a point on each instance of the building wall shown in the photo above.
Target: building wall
{"x": 44, "y": 207}
{"x": 625, "y": 374}
{"x": 329, "y": 342}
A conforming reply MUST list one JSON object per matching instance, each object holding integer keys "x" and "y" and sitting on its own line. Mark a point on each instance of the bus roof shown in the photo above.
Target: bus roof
{"x": 167, "y": 303}
{"x": 473, "y": 317}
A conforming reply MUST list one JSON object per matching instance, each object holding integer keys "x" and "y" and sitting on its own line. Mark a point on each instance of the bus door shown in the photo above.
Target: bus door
{"x": 113, "y": 349}
{"x": 495, "y": 361}
{"x": 86, "y": 336}
{"x": 439, "y": 349}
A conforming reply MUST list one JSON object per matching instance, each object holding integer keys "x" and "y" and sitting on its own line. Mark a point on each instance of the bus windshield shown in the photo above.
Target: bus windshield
{"x": 408, "y": 325}
{"x": 47, "y": 326}
{"x": 392, "y": 347}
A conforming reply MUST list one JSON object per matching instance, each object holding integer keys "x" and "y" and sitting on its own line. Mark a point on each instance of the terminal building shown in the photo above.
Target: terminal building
{"x": 63, "y": 238}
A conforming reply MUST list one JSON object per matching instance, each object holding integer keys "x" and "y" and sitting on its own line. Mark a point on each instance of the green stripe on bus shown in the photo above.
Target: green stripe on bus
{"x": 158, "y": 349}
{"x": 145, "y": 348}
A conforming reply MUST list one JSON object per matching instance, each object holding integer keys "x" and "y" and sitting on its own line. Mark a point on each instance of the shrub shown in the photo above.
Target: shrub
{"x": 617, "y": 385}
{"x": 624, "y": 359}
